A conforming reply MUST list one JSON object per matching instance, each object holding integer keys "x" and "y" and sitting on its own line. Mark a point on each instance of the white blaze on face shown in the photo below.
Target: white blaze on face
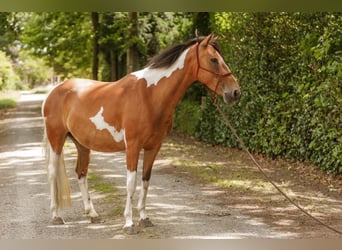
{"x": 153, "y": 76}
{"x": 101, "y": 124}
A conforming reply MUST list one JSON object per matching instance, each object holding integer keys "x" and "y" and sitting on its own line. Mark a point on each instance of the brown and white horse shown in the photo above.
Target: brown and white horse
{"x": 131, "y": 114}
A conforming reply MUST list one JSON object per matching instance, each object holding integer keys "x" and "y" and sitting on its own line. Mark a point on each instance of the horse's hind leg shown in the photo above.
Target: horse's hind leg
{"x": 83, "y": 160}
{"x": 59, "y": 185}
{"x": 54, "y": 163}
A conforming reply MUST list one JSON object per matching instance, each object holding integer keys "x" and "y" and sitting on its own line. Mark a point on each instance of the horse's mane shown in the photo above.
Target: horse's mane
{"x": 166, "y": 58}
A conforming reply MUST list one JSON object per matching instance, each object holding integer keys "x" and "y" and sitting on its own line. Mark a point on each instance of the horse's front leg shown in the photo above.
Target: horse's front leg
{"x": 132, "y": 157}
{"x": 149, "y": 157}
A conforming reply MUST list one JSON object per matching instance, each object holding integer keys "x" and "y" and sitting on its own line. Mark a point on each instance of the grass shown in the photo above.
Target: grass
{"x": 99, "y": 185}
{"x": 40, "y": 91}
{"x": 8, "y": 99}
{"x": 212, "y": 166}
{"x": 218, "y": 174}
{"x": 7, "y": 103}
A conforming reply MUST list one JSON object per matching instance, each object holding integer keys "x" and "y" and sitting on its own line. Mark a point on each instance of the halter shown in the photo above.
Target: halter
{"x": 200, "y": 67}
{"x": 213, "y": 96}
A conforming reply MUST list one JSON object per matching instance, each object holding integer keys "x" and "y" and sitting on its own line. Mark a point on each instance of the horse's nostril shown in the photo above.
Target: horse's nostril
{"x": 236, "y": 93}
{"x": 231, "y": 96}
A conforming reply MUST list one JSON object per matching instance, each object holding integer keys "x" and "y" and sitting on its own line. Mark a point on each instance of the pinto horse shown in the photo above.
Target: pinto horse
{"x": 131, "y": 114}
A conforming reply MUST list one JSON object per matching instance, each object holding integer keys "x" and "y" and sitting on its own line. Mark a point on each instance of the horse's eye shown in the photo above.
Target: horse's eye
{"x": 214, "y": 60}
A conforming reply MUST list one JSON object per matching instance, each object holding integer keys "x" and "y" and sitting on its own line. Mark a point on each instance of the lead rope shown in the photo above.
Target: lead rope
{"x": 261, "y": 169}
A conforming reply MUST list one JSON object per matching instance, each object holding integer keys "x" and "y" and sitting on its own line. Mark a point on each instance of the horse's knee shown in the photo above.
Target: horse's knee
{"x": 82, "y": 166}
{"x": 81, "y": 172}
{"x": 81, "y": 169}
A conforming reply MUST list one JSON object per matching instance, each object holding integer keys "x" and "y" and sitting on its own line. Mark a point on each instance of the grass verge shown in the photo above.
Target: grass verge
{"x": 7, "y": 103}
{"x": 111, "y": 194}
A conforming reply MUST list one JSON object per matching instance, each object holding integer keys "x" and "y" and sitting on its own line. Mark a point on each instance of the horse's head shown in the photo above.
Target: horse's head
{"x": 213, "y": 72}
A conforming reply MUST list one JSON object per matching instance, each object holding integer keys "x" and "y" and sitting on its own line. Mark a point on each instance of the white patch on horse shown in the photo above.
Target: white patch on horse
{"x": 101, "y": 124}
{"x": 153, "y": 76}
{"x": 81, "y": 85}
{"x": 88, "y": 204}
{"x": 131, "y": 183}
{"x": 142, "y": 199}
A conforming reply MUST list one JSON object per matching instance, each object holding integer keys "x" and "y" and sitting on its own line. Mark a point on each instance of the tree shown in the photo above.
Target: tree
{"x": 101, "y": 45}
{"x": 32, "y": 71}
{"x": 201, "y": 23}
{"x": 62, "y": 39}
{"x": 132, "y": 48}
{"x": 8, "y": 78}
{"x": 9, "y": 32}
{"x": 96, "y": 25}
{"x": 153, "y": 31}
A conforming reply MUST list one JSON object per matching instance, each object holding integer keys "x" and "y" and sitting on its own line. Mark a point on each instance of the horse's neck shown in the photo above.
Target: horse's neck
{"x": 166, "y": 87}
{"x": 170, "y": 91}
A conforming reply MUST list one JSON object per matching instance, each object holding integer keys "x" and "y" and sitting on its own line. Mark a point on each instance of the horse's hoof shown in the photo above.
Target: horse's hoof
{"x": 132, "y": 230}
{"x": 57, "y": 221}
{"x": 96, "y": 219}
{"x": 145, "y": 222}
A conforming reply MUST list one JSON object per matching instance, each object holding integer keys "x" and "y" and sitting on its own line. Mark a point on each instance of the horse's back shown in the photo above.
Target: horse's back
{"x": 89, "y": 110}
{"x": 68, "y": 91}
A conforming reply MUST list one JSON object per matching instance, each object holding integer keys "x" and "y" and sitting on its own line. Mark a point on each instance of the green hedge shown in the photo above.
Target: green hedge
{"x": 289, "y": 69}
{"x": 187, "y": 117}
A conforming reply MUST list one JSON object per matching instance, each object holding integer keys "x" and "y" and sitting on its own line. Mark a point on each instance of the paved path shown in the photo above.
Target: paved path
{"x": 178, "y": 208}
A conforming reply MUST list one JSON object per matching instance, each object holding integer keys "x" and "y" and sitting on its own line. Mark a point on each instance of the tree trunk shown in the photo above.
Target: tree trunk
{"x": 201, "y": 23}
{"x": 113, "y": 69}
{"x": 95, "y": 22}
{"x": 132, "y": 51}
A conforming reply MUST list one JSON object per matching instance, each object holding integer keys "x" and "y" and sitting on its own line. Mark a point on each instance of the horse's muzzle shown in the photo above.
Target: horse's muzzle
{"x": 231, "y": 96}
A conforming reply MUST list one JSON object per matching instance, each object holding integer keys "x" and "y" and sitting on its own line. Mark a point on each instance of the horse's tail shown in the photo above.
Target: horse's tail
{"x": 57, "y": 173}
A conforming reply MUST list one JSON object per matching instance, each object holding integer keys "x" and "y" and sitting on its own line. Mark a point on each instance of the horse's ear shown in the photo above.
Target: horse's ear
{"x": 214, "y": 38}
{"x": 207, "y": 40}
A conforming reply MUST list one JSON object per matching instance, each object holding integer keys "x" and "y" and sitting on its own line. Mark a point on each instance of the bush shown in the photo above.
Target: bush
{"x": 8, "y": 78}
{"x": 187, "y": 116}
{"x": 289, "y": 69}
{"x": 7, "y": 103}
{"x": 32, "y": 70}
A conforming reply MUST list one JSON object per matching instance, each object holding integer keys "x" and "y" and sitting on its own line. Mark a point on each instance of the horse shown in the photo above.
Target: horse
{"x": 132, "y": 114}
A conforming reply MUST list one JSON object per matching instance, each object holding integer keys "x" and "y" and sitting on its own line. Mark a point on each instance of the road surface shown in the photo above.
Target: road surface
{"x": 177, "y": 207}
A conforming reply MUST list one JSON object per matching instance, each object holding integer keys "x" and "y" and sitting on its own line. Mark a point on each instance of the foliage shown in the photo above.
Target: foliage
{"x": 63, "y": 39}
{"x": 288, "y": 65}
{"x": 9, "y": 32}
{"x": 289, "y": 68}
{"x": 32, "y": 70}
{"x": 157, "y": 30}
{"x": 8, "y": 78}
{"x": 187, "y": 116}
{"x": 7, "y": 103}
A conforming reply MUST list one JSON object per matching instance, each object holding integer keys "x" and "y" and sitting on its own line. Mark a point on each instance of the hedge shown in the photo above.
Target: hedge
{"x": 289, "y": 69}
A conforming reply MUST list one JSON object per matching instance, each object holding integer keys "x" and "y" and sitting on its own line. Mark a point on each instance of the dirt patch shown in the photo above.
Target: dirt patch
{"x": 4, "y": 113}
{"x": 243, "y": 187}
